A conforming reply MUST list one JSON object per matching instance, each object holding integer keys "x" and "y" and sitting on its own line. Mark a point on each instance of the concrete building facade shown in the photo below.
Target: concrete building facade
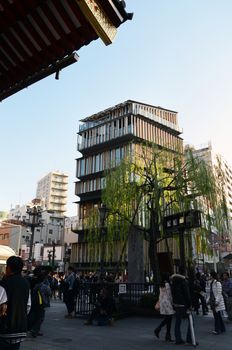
{"x": 52, "y": 189}
{"x": 103, "y": 140}
{"x": 220, "y": 243}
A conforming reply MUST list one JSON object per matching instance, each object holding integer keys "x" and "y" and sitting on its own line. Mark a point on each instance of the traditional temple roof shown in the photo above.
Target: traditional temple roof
{"x": 40, "y": 37}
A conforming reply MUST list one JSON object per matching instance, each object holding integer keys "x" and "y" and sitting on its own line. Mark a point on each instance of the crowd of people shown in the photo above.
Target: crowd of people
{"x": 25, "y": 295}
{"x": 179, "y": 296}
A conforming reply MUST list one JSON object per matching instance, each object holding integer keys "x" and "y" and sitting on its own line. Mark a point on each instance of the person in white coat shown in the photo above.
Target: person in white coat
{"x": 166, "y": 309}
{"x": 217, "y": 303}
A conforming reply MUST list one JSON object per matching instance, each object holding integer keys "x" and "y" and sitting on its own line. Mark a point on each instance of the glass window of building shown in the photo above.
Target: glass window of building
{"x": 122, "y": 152}
{"x": 112, "y": 160}
{"x": 117, "y": 156}
{"x": 102, "y": 182}
{"x": 82, "y": 167}
{"x": 97, "y": 164}
{"x": 100, "y": 162}
{"x": 93, "y": 164}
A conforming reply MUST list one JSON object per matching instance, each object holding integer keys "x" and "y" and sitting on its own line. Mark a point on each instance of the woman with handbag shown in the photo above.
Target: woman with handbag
{"x": 165, "y": 307}
{"x": 217, "y": 304}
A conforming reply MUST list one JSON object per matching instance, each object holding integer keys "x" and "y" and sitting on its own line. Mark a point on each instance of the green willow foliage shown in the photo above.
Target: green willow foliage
{"x": 154, "y": 182}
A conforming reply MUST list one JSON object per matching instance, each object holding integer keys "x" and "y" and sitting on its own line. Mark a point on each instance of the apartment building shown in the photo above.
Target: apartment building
{"x": 220, "y": 243}
{"x": 104, "y": 139}
{"x": 52, "y": 189}
{"x": 221, "y": 166}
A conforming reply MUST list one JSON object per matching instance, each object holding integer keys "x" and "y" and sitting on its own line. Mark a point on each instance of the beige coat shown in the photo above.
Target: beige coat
{"x": 165, "y": 300}
{"x": 217, "y": 292}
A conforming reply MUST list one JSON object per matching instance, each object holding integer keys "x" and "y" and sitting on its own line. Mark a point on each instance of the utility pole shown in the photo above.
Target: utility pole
{"x": 182, "y": 248}
{"x": 53, "y": 253}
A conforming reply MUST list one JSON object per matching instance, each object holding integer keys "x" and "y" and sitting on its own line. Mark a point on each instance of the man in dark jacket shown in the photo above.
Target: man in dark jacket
{"x": 17, "y": 290}
{"x": 69, "y": 292}
{"x": 40, "y": 296}
{"x": 181, "y": 302}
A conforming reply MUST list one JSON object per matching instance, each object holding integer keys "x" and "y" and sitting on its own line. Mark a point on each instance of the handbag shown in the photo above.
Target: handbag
{"x": 212, "y": 299}
{"x": 157, "y": 306}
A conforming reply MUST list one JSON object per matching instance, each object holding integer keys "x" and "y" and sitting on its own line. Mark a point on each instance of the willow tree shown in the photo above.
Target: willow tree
{"x": 152, "y": 183}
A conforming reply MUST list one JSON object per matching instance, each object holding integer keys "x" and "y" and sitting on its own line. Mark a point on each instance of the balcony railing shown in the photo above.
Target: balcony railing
{"x": 89, "y": 125}
{"x": 93, "y": 141}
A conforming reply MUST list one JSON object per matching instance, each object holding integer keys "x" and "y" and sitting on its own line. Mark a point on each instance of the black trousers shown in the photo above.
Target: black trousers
{"x": 218, "y": 322}
{"x": 35, "y": 319}
{"x": 180, "y": 314}
{"x": 69, "y": 299}
{"x": 167, "y": 321}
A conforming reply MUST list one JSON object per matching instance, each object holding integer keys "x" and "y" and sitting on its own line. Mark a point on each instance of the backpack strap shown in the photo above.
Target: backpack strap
{"x": 40, "y": 297}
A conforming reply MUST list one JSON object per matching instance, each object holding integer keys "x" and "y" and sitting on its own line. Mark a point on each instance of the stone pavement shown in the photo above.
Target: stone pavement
{"x": 134, "y": 333}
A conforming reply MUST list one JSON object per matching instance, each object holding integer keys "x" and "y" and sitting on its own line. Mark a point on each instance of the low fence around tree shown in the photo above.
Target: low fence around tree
{"x": 130, "y": 298}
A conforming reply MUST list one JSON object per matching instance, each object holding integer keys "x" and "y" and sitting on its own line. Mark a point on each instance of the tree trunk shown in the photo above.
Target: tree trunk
{"x": 135, "y": 256}
{"x": 169, "y": 256}
{"x": 153, "y": 254}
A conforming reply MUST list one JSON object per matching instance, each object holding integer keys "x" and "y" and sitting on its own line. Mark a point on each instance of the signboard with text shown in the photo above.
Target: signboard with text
{"x": 122, "y": 288}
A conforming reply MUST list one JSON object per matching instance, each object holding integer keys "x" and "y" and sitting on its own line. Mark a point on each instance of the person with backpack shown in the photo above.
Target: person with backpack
{"x": 39, "y": 301}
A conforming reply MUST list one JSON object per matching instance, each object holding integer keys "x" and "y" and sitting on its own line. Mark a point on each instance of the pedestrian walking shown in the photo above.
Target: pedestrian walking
{"x": 199, "y": 291}
{"x": 17, "y": 291}
{"x": 69, "y": 292}
{"x": 39, "y": 301}
{"x": 217, "y": 303}
{"x": 227, "y": 293}
{"x": 54, "y": 286}
{"x": 181, "y": 303}
{"x": 166, "y": 308}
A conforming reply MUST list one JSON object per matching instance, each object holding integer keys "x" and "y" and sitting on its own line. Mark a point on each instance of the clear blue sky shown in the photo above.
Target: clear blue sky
{"x": 174, "y": 53}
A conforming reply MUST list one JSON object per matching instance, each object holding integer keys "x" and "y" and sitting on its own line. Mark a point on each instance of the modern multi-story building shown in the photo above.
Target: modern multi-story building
{"x": 220, "y": 242}
{"x": 221, "y": 169}
{"x": 52, "y": 189}
{"x": 103, "y": 140}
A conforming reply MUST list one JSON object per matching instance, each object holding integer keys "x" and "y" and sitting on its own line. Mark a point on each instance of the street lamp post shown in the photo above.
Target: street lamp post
{"x": 35, "y": 214}
{"x": 53, "y": 254}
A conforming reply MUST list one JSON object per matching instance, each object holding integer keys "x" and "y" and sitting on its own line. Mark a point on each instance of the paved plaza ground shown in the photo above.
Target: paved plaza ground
{"x": 134, "y": 333}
